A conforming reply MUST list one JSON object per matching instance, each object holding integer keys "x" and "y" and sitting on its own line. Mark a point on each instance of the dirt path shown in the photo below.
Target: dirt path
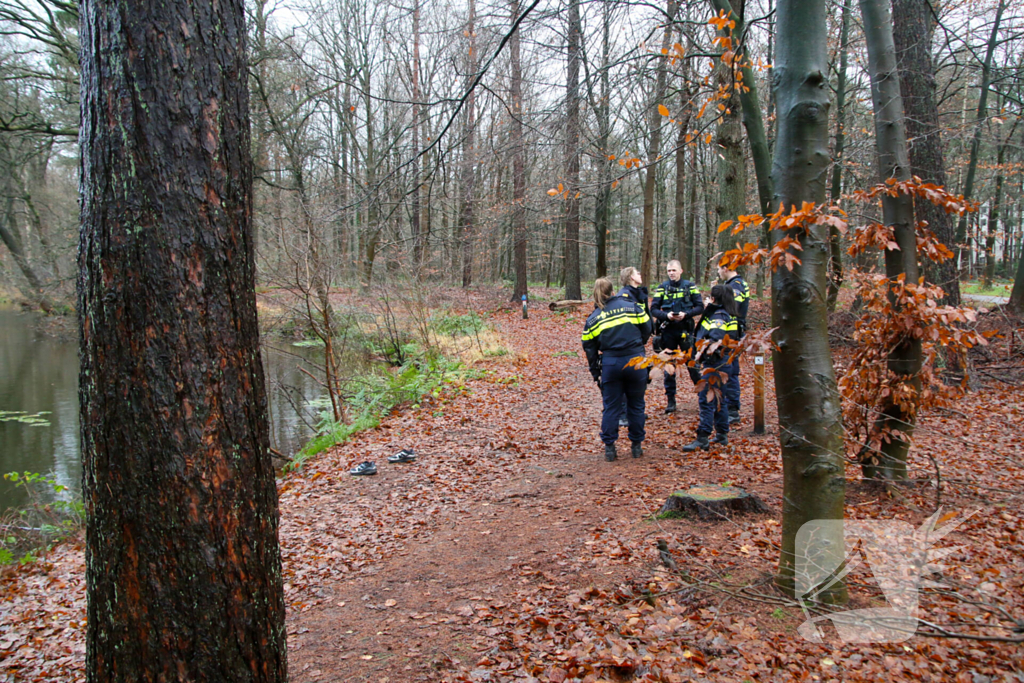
{"x": 539, "y": 491}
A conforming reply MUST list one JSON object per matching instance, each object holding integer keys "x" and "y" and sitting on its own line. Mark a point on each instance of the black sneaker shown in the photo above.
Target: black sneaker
{"x": 363, "y": 469}
{"x": 404, "y": 455}
{"x": 609, "y": 452}
{"x": 636, "y": 450}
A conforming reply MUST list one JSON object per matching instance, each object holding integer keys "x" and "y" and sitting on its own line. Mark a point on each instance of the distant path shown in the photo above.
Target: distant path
{"x": 987, "y": 298}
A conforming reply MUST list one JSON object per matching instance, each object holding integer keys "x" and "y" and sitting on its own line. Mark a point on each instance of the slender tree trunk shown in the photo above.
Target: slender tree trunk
{"x": 732, "y": 167}
{"x": 654, "y": 149}
{"x": 603, "y": 204}
{"x": 414, "y": 209}
{"x": 572, "y": 156}
{"x": 183, "y": 571}
{"x": 469, "y": 171}
{"x": 898, "y": 213}
{"x": 518, "y": 163}
{"x": 913, "y": 26}
{"x": 993, "y": 213}
{"x": 835, "y": 242}
{"x": 979, "y": 121}
{"x": 805, "y": 386}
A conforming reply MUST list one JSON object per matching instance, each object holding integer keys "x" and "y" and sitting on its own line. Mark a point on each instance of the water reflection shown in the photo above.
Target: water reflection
{"x": 39, "y": 373}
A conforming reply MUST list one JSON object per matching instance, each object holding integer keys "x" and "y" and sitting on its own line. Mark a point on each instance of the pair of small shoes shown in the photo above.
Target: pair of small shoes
{"x": 363, "y": 469}
{"x": 404, "y": 455}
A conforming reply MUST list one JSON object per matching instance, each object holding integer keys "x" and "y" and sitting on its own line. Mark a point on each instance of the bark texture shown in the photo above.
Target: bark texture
{"x": 518, "y": 163}
{"x": 805, "y": 386}
{"x": 572, "y": 155}
{"x": 835, "y": 263}
{"x": 913, "y": 26}
{"x": 183, "y": 568}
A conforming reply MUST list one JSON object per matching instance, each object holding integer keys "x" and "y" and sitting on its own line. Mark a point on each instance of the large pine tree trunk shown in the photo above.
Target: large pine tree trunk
{"x": 183, "y": 570}
{"x": 912, "y": 33}
{"x": 811, "y": 433}
{"x": 898, "y": 212}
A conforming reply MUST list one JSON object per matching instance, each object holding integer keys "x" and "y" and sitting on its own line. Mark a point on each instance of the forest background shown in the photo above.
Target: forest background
{"x": 430, "y": 141}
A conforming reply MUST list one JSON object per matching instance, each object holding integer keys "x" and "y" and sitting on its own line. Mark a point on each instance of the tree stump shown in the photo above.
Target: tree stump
{"x": 711, "y": 502}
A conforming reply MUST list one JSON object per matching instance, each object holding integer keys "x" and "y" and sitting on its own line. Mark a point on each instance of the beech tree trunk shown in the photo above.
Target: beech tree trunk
{"x": 913, "y": 26}
{"x": 994, "y": 213}
{"x": 572, "y": 155}
{"x": 518, "y": 162}
{"x": 602, "y": 108}
{"x": 811, "y": 433}
{"x": 183, "y": 570}
{"x": 732, "y": 167}
{"x": 905, "y": 359}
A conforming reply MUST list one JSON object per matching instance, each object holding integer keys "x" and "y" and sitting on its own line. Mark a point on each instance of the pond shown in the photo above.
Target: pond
{"x": 39, "y": 374}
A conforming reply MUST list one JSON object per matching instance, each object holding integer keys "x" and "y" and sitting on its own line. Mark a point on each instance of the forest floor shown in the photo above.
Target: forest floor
{"x": 510, "y": 550}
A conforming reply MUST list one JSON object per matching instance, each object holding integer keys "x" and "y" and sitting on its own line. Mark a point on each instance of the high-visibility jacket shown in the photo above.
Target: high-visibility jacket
{"x": 741, "y": 295}
{"x": 621, "y": 328}
{"x": 715, "y": 324}
{"x": 681, "y": 296}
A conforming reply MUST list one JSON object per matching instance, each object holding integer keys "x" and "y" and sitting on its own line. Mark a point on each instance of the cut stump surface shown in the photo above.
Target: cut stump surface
{"x": 712, "y": 502}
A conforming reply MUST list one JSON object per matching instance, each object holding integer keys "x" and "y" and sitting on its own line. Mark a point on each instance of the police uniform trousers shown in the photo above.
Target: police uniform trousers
{"x": 671, "y": 340}
{"x": 714, "y": 413}
{"x": 618, "y": 381}
{"x": 732, "y": 387}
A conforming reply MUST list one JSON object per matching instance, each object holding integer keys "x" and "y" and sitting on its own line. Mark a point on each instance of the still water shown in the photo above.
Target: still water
{"x": 39, "y": 373}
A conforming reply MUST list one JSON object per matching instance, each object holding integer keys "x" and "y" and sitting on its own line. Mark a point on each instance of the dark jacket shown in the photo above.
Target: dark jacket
{"x": 621, "y": 328}
{"x": 741, "y": 294}
{"x": 677, "y": 297}
{"x": 714, "y": 325}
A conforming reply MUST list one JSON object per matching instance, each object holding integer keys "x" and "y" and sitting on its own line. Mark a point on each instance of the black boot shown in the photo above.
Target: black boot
{"x": 720, "y": 438}
{"x": 700, "y": 442}
{"x": 671, "y": 407}
{"x": 609, "y": 452}
{"x": 734, "y": 416}
{"x": 636, "y": 450}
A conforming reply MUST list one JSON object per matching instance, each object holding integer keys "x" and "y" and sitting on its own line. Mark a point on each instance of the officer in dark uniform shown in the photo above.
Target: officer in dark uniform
{"x": 741, "y": 295}
{"x": 719, "y": 320}
{"x": 675, "y": 306}
{"x": 615, "y": 333}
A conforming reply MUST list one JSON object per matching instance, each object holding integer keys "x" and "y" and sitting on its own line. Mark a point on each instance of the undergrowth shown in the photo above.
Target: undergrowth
{"x": 39, "y": 525}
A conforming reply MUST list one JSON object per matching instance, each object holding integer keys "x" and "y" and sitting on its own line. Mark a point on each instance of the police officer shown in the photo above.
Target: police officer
{"x": 615, "y": 333}
{"x": 719, "y": 320}
{"x": 675, "y": 306}
{"x": 741, "y": 295}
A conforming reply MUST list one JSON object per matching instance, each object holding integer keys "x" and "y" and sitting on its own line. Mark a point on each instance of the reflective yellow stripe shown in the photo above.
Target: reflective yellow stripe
{"x": 729, "y": 326}
{"x": 614, "y": 320}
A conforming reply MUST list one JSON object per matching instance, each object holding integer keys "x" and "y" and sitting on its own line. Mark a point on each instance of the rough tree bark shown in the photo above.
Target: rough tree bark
{"x": 572, "y": 155}
{"x": 414, "y": 209}
{"x": 994, "y": 211}
{"x": 518, "y": 161}
{"x": 809, "y": 411}
{"x": 183, "y": 569}
{"x": 890, "y": 463}
{"x": 913, "y": 26}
